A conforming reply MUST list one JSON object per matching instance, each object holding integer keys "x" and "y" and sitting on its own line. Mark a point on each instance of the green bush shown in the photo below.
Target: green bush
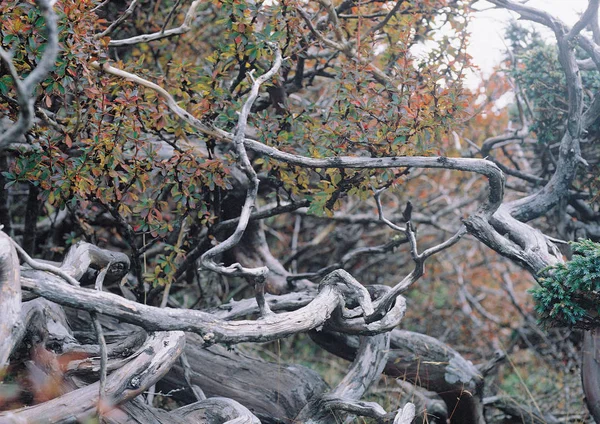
{"x": 569, "y": 293}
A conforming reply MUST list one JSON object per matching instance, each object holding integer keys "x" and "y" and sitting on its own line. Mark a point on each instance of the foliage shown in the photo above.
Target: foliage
{"x": 106, "y": 149}
{"x": 135, "y": 178}
{"x": 569, "y": 292}
{"x": 545, "y": 90}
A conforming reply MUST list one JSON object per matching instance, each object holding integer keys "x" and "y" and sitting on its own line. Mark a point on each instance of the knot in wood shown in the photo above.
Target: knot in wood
{"x": 208, "y": 337}
{"x": 135, "y": 382}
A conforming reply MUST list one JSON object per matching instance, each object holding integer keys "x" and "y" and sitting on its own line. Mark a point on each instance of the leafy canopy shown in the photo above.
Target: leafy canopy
{"x": 106, "y": 148}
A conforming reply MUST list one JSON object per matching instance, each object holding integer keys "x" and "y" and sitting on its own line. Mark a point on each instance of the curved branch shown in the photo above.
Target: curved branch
{"x": 332, "y": 292}
{"x": 557, "y": 188}
{"x": 220, "y": 410}
{"x": 366, "y": 368}
{"x": 118, "y": 21}
{"x": 424, "y": 361}
{"x": 25, "y": 88}
{"x": 207, "y": 259}
{"x": 151, "y": 362}
{"x": 144, "y": 38}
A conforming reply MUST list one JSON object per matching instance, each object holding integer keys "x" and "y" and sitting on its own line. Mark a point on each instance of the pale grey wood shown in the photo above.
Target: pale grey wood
{"x": 11, "y": 326}
{"x": 149, "y": 364}
{"x": 272, "y": 391}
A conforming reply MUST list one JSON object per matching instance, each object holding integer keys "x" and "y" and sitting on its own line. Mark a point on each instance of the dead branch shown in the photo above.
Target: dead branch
{"x": 25, "y": 88}
{"x": 213, "y": 330}
{"x": 424, "y": 361}
{"x": 257, "y": 275}
{"x": 144, "y": 38}
{"x": 281, "y": 397}
{"x": 150, "y": 363}
{"x": 366, "y": 368}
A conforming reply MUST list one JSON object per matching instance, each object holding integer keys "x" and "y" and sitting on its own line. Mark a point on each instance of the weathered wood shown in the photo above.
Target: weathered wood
{"x": 150, "y": 363}
{"x": 369, "y": 362}
{"x": 92, "y": 364}
{"x": 213, "y": 330}
{"x": 83, "y": 256}
{"x": 217, "y": 410}
{"x": 247, "y": 307}
{"x": 272, "y": 391}
{"x": 253, "y": 251}
{"x": 137, "y": 411}
{"x": 425, "y": 361}
{"x": 429, "y": 406}
{"x": 10, "y": 299}
{"x": 350, "y": 322}
{"x": 47, "y": 323}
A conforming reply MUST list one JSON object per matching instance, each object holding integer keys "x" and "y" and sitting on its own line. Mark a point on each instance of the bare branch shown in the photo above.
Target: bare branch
{"x": 590, "y": 13}
{"x": 119, "y": 20}
{"x": 387, "y": 18}
{"x": 25, "y": 88}
{"x": 385, "y": 303}
{"x": 45, "y": 267}
{"x": 366, "y": 368}
{"x": 150, "y": 363}
{"x": 207, "y": 259}
{"x": 144, "y": 38}
{"x": 333, "y": 288}
{"x": 383, "y": 248}
{"x": 333, "y": 19}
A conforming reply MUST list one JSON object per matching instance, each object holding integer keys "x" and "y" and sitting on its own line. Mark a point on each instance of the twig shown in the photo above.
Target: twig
{"x": 119, "y": 20}
{"x": 383, "y": 248}
{"x": 144, "y": 38}
{"x": 101, "y": 343}
{"x": 40, "y": 266}
{"x": 103, "y": 361}
{"x": 385, "y": 303}
{"x": 170, "y": 15}
{"x": 387, "y": 18}
{"x": 198, "y": 393}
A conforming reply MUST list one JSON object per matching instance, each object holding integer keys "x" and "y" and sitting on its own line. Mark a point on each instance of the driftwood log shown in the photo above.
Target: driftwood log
{"x": 56, "y": 342}
{"x": 63, "y": 372}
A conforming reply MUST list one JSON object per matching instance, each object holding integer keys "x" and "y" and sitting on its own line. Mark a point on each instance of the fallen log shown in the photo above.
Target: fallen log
{"x": 273, "y": 392}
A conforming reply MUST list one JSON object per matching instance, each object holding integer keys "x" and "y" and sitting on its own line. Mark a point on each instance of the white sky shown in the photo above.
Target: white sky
{"x": 487, "y": 28}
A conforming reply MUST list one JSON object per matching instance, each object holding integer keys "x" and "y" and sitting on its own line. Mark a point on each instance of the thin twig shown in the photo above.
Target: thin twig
{"x": 40, "y": 266}
{"x": 144, "y": 38}
{"x": 198, "y": 393}
{"x": 170, "y": 16}
{"x": 119, "y": 20}
{"x": 103, "y": 360}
